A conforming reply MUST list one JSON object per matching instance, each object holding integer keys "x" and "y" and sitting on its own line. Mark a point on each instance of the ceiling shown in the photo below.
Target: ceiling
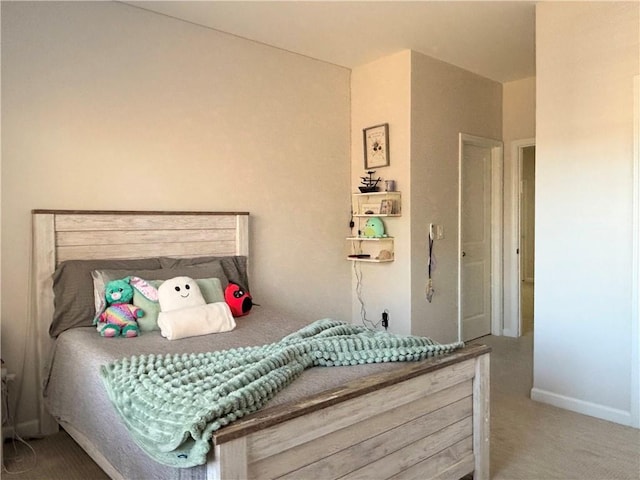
{"x": 494, "y": 39}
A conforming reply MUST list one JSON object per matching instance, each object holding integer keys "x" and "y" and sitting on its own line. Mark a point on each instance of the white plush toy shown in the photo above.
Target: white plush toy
{"x": 184, "y": 312}
{"x": 179, "y": 292}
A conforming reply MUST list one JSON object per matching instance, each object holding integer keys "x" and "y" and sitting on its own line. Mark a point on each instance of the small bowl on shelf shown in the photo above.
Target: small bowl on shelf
{"x": 368, "y": 189}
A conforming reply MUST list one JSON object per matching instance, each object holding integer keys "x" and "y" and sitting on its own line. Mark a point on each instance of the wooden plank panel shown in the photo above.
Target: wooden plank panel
{"x": 192, "y": 249}
{"x": 481, "y": 418}
{"x": 305, "y": 454}
{"x": 44, "y": 261}
{"x": 270, "y": 441}
{"x": 458, "y": 457}
{"x": 356, "y": 388}
{"x": 362, "y": 453}
{"x": 124, "y": 237}
{"x": 242, "y": 240}
{"x": 233, "y": 460}
{"x": 416, "y": 452}
{"x": 213, "y": 464}
{"x": 459, "y": 470}
{"x": 115, "y": 221}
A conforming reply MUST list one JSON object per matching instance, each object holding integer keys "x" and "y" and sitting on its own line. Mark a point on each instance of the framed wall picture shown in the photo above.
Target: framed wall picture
{"x": 376, "y": 146}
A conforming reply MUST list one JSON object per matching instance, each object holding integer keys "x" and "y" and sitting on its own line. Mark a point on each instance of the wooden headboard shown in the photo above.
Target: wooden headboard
{"x": 60, "y": 235}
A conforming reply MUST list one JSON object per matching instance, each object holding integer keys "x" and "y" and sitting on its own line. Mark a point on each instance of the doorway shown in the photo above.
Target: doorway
{"x": 527, "y": 161}
{"x": 480, "y": 309}
{"x": 520, "y": 247}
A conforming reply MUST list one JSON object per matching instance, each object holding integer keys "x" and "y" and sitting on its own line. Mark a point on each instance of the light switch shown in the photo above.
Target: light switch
{"x": 436, "y": 231}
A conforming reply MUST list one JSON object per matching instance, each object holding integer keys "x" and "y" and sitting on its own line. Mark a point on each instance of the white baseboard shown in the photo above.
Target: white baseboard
{"x": 28, "y": 429}
{"x": 509, "y": 332}
{"x": 580, "y": 406}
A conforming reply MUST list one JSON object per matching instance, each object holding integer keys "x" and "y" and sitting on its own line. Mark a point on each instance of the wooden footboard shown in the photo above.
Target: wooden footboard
{"x": 428, "y": 420}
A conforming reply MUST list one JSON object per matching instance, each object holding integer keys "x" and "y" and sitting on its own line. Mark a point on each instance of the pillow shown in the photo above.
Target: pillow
{"x": 211, "y": 289}
{"x": 150, "y": 320}
{"x": 151, "y": 308}
{"x": 235, "y": 267}
{"x": 74, "y": 304}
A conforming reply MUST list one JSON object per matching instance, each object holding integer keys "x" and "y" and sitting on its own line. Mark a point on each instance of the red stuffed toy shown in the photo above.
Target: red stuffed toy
{"x": 238, "y": 299}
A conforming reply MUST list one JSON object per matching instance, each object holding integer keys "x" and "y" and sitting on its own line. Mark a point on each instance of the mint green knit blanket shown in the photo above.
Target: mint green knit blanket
{"x": 172, "y": 404}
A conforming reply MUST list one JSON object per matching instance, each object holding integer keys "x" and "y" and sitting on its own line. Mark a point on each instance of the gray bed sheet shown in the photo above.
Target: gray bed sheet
{"x": 75, "y": 395}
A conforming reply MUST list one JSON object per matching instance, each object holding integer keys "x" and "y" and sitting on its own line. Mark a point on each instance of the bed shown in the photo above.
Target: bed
{"x": 426, "y": 419}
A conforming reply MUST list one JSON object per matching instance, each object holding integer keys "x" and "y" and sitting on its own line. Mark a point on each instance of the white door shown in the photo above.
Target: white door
{"x": 476, "y": 241}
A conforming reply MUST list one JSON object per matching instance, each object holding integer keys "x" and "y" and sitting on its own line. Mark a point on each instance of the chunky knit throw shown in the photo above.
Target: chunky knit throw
{"x": 172, "y": 404}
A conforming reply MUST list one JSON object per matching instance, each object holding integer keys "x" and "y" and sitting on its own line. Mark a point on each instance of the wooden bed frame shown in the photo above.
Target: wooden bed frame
{"x": 428, "y": 419}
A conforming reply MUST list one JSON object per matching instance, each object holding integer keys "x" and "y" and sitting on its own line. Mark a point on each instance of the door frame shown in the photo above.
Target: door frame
{"x": 635, "y": 263}
{"x": 513, "y": 322}
{"x": 497, "y": 176}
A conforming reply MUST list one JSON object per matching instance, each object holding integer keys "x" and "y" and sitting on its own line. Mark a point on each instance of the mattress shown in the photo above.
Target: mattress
{"x": 75, "y": 395}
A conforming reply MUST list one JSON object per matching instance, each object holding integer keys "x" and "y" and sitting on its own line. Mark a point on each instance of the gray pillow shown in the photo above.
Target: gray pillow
{"x": 73, "y": 290}
{"x": 235, "y": 267}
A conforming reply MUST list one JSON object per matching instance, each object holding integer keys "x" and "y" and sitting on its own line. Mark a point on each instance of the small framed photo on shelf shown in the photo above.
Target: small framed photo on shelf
{"x": 376, "y": 146}
{"x": 386, "y": 207}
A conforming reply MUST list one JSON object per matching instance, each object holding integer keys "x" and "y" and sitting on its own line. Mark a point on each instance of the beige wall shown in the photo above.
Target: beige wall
{"x": 518, "y": 110}
{"x": 106, "y": 106}
{"x": 587, "y": 57}
{"x": 381, "y": 93}
{"x": 445, "y": 101}
{"x": 427, "y": 103}
{"x": 518, "y": 124}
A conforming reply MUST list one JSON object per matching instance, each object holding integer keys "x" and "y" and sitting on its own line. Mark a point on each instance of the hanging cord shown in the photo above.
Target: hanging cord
{"x": 9, "y": 420}
{"x": 429, "y": 291}
{"x": 30, "y": 334}
{"x": 363, "y": 311}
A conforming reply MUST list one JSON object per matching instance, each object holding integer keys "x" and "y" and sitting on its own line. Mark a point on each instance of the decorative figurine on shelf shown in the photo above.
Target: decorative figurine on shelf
{"x": 369, "y": 184}
{"x": 385, "y": 255}
{"x": 374, "y": 228}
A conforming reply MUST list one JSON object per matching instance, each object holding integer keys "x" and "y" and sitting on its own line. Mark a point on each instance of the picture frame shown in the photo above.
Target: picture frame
{"x": 376, "y": 146}
{"x": 386, "y": 207}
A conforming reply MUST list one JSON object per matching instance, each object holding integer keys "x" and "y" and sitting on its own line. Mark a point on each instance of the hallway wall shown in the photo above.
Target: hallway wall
{"x": 587, "y": 57}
